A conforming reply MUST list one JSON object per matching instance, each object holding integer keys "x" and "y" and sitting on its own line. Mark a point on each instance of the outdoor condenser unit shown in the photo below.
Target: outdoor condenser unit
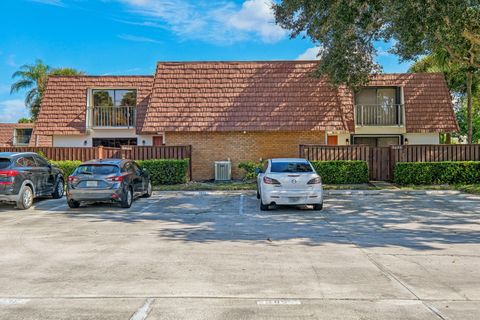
{"x": 223, "y": 170}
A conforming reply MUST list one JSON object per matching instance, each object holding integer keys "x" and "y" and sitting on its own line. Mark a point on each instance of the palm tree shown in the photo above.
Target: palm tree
{"x": 34, "y": 79}
{"x": 463, "y": 83}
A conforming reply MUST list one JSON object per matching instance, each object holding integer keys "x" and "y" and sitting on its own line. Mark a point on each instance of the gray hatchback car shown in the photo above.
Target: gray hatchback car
{"x": 112, "y": 180}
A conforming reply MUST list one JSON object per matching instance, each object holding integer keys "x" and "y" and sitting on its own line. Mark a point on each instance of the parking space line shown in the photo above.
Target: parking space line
{"x": 241, "y": 206}
{"x": 143, "y": 311}
{"x": 53, "y": 209}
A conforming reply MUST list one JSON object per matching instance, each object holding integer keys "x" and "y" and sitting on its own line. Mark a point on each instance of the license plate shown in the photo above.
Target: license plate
{"x": 92, "y": 183}
{"x": 293, "y": 199}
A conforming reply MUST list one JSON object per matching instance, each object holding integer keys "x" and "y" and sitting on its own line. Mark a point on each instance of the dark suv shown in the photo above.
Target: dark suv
{"x": 111, "y": 180}
{"x": 26, "y": 175}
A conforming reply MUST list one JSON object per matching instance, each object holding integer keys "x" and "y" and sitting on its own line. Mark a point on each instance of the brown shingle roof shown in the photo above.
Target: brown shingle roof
{"x": 64, "y": 106}
{"x": 7, "y": 131}
{"x": 242, "y": 96}
{"x": 237, "y": 96}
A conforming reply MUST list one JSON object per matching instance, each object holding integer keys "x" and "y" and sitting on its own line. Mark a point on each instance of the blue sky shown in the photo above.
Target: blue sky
{"x": 114, "y": 37}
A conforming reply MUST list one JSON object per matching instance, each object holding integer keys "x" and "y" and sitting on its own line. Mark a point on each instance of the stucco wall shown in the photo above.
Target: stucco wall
{"x": 78, "y": 140}
{"x": 423, "y": 138}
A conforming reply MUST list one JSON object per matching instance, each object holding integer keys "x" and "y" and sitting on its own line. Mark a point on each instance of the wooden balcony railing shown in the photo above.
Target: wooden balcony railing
{"x": 111, "y": 117}
{"x": 379, "y": 115}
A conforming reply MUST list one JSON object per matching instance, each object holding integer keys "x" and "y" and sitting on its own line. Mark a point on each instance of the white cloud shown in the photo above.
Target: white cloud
{"x": 310, "y": 54}
{"x": 12, "y": 110}
{"x": 216, "y": 21}
{"x": 58, "y": 3}
{"x": 256, "y": 16}
{"x": 130, "y": 37}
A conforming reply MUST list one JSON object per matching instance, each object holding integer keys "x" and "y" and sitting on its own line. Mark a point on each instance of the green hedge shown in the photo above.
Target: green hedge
{"x": 451, "y": 172}
{"x": 162, "y": 171}
{"x": 342, "y": 171}
{"x": 249, "y": 168}
{"x": 67, "y": 166}
{"x": 166, "y": 171}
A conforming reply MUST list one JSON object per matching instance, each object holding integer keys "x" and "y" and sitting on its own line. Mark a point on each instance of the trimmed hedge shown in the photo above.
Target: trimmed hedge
{"x": 162, "y": 171}
{"x": 342, "y": 171}
{"x": 249, "y": 168}
{"x": 166, "y": 171}
{"x": 67, "y": 166}
{"x": 445, "y": 172}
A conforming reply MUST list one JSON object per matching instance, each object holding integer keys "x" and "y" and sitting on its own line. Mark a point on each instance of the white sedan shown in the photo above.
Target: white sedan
{"x": 289, "y": 182}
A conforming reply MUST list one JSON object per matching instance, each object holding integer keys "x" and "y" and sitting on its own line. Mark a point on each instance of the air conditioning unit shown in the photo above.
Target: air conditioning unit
{"x": 223, "y": 170}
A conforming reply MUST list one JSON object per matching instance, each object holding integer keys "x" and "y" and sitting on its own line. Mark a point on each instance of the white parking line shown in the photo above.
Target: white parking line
{"x": 6, "y": 301}
{"x": 142, "y": 313}
{"x": 54, "y": 208}
{"x": 241, "y": 206}
{"x": 279, "y": 302}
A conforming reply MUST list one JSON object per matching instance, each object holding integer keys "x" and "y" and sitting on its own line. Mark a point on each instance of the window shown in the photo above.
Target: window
{"x": 97, "y": 169}
{"x": 27, "y": 161}
{"x": 378, "y": 96}
{"x": 114, "y": 97}
{"x": 22, "y": 136}
{"x": 114, "y": 142}
{"x": 291, "y": 167}
{"x": 379, "y": 141}
{"x": 4, "y": 163}
{"x": 42, "y": 162}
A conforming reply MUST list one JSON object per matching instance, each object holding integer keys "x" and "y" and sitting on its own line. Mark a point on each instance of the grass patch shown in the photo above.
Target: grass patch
{"x": 468, "y": 188}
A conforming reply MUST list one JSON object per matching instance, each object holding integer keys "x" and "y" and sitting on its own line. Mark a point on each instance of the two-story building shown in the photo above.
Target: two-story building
{"x": 241, "y": 110}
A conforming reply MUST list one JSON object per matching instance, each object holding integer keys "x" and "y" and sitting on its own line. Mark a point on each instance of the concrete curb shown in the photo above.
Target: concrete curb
{"x": 327, "y": 192}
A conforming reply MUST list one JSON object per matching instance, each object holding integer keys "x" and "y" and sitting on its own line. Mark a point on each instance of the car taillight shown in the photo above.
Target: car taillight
{"x": 7, "y": 176}
{"x": 116, "y": 178}
{"x": 316, "y": 180}
{"x": 72, "y": 179}
{"x": 9, "y": 173}
{"x": 268, "y": 180}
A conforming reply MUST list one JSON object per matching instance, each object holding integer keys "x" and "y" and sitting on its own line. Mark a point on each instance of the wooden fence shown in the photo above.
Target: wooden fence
{"x": 382, "y": 160}
{"x": 126, "y": 152}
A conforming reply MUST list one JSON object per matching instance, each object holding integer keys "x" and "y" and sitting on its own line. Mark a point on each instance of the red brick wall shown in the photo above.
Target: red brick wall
{"x": 208, "y": 147}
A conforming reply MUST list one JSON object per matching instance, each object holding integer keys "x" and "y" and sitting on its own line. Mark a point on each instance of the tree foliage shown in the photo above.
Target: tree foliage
{"x": 348, "y": 29}
{"x": 33, "y": 78}
{"x": 24, "y": 120}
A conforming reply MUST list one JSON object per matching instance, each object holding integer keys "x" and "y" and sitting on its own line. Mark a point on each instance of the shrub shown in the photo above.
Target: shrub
{"x": 342, "y": 171}
{"x": 67, "y": 166}
{"x": 450, "y": 172}
{"x": 249, "y": 167}
{"x": 166, "y": 171}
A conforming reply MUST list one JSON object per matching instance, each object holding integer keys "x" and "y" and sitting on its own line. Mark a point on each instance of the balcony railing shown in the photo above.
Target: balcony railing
{"x": 111, "y": 117}
{"x": 379, "y": 115}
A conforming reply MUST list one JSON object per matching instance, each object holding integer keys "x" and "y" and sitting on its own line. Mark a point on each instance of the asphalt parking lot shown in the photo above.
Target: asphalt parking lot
{"x": 201, "y": 255}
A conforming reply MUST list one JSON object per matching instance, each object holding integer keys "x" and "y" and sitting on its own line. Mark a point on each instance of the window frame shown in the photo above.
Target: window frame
{"x": 90, "y": 99}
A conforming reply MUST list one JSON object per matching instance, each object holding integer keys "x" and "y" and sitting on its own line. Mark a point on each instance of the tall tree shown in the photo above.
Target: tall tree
{"x": 33, "y": 78}
{"x": 455, "y": 75}
{"x": 348, "y": 29}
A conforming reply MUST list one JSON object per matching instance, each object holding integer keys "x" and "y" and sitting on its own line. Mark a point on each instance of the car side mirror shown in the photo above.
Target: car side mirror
{"x": 258, "y": 170}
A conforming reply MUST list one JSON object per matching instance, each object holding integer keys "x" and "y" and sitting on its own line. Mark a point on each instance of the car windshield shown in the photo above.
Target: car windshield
{"x": 291, "y": 167}
{"x": 97, "y": 169}
{"x": 4, "y": 163}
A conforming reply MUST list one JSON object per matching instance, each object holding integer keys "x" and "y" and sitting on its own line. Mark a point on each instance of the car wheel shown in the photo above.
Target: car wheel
{"x": 318, "y": 206}
{"x": 264, "y": 207}
{"x": 59, "y": 190}
{"x": 25, "y": 200}
{"x": 73, "y": 204}
{"x": 149, "y": 192}
{"x": 127, "y": 198}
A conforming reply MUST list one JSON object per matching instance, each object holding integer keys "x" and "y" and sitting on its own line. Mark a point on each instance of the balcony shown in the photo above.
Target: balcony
{"x": 379, "y": 115}
{"x": 111, "y": 117}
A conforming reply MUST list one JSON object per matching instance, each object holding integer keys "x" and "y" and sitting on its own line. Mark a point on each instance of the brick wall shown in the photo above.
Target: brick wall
{"x": 238, "y": 146}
